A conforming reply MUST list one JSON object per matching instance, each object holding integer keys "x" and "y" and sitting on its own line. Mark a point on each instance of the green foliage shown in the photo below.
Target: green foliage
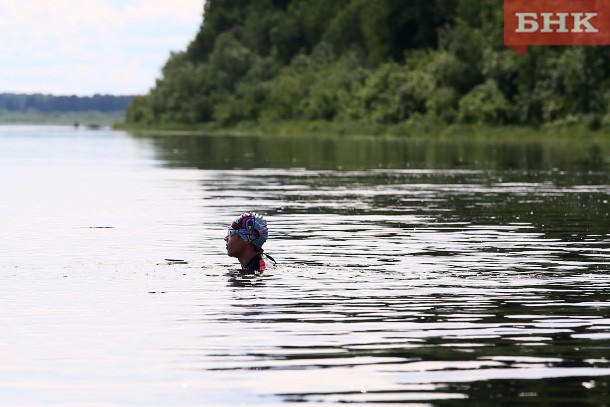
{"x": 442, "y": 104}
{"x": 484, "y": 104}
{"x": 316, "y": 87}
{"x": 392, "y": 94}
{"x": 229, "y": 61}
{"x": 288, "y": 91}
{"x": 219, "y": 16}
{"x": 140, "y": 111}
{"x": 302, "y": 27}
{"x": 383, "y": 62}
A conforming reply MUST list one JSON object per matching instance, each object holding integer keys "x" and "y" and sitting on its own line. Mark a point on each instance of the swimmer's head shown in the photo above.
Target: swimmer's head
{"x": 251, "y": 227}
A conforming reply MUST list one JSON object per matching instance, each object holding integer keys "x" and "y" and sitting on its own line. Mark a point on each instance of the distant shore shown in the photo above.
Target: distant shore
{"x": 62, "y": 118}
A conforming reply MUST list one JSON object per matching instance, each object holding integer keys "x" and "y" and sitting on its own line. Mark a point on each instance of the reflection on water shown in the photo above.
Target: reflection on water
{"x": 482, "y": 281}
{"x": 357, "y": 153}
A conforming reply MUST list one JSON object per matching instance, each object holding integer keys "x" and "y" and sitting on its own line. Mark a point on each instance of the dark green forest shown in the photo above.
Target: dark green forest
{"x": 380, "y": 62}
{"x": 13, "y": 102}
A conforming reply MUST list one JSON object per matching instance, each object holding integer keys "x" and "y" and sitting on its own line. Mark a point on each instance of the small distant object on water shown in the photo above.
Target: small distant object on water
{"x": 90, "y": 126}
{"x": 101, "y": 227}
{"x": 176, "y": 261}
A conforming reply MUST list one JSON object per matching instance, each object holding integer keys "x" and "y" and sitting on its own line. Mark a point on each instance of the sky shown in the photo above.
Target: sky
{"x": 84, "y": 47}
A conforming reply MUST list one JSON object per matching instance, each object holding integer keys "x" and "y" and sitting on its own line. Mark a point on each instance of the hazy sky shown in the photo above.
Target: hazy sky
{"x": 91, "y": 46}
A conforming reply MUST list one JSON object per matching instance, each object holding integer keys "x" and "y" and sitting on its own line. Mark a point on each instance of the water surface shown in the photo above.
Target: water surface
{"x": 436, "y": 273}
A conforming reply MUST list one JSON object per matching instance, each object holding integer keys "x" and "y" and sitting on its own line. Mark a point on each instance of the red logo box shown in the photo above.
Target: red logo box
{"x": 556, "y": 22}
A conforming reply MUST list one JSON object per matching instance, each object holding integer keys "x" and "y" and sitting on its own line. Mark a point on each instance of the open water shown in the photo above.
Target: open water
{"x": 411, "y": 272}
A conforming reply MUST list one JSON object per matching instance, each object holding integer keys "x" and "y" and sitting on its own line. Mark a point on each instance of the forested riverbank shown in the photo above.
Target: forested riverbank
{"x": 383, "y": 67}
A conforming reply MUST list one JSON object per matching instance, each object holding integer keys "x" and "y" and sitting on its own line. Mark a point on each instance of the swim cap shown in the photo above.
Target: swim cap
{"x": 252, "y": 228}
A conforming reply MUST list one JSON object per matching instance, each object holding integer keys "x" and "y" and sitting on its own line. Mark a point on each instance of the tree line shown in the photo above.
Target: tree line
{"x": 50, "y": 104}
{"x": 382, "y": 61}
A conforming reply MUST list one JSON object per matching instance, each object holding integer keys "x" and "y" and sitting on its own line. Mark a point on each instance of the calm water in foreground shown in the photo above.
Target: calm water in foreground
{"x": 440, "y": 273}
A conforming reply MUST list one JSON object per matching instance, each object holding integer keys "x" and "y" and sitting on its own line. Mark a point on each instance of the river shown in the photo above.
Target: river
{"x": 418, "y": 272}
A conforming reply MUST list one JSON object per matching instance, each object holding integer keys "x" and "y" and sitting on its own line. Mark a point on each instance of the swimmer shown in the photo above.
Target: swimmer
{"x": 245, "y": 239}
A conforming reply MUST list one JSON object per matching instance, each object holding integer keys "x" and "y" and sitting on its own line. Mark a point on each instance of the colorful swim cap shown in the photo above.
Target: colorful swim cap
{"x": 252, "y": 228}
